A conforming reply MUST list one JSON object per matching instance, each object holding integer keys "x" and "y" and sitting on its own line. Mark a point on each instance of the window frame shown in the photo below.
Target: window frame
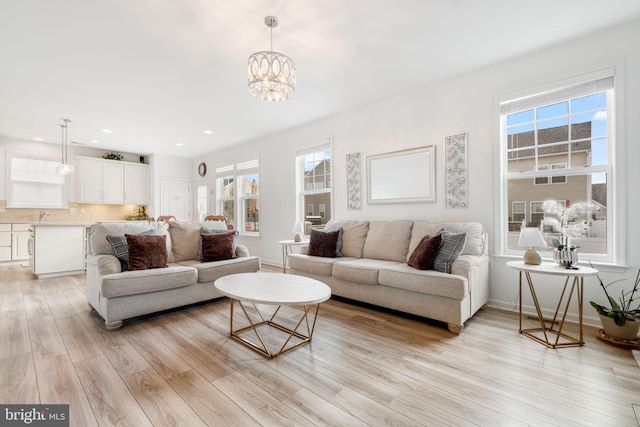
{"x": 321, "y": 145}
{"x": 615, "y": 256}
{"x": 236, "y": 172}
{"x": 35, "y": 204}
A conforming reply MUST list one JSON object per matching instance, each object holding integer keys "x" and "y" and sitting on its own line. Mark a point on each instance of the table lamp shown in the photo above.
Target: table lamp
{"x": 531, "y": 236}
{"x": 298, "y": 232}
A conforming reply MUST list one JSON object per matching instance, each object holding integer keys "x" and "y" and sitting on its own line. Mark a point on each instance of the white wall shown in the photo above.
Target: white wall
{"x": 424, "y": 117}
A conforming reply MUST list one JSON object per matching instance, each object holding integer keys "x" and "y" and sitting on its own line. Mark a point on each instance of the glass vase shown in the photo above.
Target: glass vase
{"x": 565, "y": 257}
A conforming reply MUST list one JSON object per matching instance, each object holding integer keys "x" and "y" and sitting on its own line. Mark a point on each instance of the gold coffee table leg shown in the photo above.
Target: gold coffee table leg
{"x": 261, "y": 348}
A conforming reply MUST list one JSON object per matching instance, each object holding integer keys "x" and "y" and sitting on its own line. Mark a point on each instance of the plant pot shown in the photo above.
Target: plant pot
{"x": 626, "y": 332}
{"x": 565, "y": 257}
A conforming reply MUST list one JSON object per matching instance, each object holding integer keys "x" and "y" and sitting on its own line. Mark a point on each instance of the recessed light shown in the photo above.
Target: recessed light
{"x": 179, "y": 144}
{"x": 38, "y": 139}
{"x": 208, "y": 132}
{"x": 95, "y": 141}
{"x": 106, "y": 130}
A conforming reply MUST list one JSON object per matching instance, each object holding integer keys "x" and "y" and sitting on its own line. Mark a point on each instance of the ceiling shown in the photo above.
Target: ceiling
{"x": 159, "y": 74}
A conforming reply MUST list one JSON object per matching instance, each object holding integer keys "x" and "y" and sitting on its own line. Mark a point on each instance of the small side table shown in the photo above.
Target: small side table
{"x": 577, "y": 286}
{"x": 286, "y": 251}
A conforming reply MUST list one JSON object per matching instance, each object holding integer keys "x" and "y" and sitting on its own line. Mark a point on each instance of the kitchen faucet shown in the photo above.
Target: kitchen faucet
{"x": 42, "y": 215}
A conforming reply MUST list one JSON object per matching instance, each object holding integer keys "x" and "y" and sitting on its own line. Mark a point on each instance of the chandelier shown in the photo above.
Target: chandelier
{"x": 271, "y": 75}
{"x": 65, "y": 167}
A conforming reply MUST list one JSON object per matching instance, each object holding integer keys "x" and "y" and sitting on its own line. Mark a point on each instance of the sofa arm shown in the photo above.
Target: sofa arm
{"x": 104, "y": 264}
{"x": 242, "y": 251}
{"x": 466, "y": 263}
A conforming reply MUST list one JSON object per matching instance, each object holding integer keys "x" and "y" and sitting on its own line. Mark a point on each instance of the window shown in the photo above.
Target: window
{"x": 238, "y": 186}
{"x": 518, "y": 215}
{"x": 557, "y": 145}
{"x": 250, "y": 197}
{"x": 202, "y": 201}
{"x": 34, "y": 183}
{"x": 313, "y": 168}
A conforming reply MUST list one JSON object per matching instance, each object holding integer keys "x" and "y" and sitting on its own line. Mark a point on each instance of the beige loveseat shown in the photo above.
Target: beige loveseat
{"x": 117, "y": 295}
{"x": 373, "y": 269}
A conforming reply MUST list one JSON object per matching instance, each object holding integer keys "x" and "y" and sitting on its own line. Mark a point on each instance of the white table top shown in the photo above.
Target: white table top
{"x": 552, "y": 268}
{"x": 293, "y": 242}
{"x": 273, "y": 288}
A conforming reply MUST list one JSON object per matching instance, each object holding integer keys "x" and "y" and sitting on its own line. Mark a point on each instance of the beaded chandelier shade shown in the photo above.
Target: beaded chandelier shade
{"x": 271, "y": 75}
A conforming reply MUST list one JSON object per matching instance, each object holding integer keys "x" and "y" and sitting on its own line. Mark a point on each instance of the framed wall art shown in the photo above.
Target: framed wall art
{"x": 406, "y": 176}
{"x": 353, "y": 182}
{"x": 455, "y": 160}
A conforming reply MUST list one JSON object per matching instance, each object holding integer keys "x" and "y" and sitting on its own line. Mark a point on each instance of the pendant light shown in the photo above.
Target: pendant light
{"x": 271, "y": 75}
{"x": 65, "y": 167}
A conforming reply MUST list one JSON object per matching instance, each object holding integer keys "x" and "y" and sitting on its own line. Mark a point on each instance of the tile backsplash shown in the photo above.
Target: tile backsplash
{"x": 76, "y": 212}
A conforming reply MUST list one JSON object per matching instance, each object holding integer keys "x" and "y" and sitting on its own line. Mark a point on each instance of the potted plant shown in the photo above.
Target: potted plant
{"x": 620, "y": 321}
{"x": 113, "y": 155}
{"x": 569, "y": 222}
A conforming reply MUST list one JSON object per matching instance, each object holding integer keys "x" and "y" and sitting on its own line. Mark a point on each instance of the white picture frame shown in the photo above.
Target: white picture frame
{"x": 406, "y": 176}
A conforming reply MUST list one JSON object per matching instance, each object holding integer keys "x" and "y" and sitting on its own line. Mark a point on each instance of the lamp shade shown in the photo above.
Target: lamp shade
{"x": 531, "y": 237}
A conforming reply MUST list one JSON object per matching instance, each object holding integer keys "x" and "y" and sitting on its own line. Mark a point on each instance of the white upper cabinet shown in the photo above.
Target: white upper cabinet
{"x": 112, "y": 181}
{"x": 136, "y": 179}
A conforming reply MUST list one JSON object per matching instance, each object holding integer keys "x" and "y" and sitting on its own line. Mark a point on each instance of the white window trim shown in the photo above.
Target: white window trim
{"x": 308, "y": 147}
{"x": 615, "y": 169}
{"x": 9, "y": 188}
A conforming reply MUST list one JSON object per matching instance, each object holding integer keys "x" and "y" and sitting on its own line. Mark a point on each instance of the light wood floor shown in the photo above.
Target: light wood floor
{"x": 364, "y": 367}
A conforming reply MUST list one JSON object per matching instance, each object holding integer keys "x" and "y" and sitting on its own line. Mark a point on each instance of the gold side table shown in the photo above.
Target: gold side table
{"x": 286, "y": 250}
{"x": 574, "y": 280}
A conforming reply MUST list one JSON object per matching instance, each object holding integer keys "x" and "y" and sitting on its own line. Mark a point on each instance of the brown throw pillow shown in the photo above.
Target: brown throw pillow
{"x": 425, "y": 253}
{"x": 146, "y": 251}
{"x": 323, "y": 243}
{"x": 219, "y": 246}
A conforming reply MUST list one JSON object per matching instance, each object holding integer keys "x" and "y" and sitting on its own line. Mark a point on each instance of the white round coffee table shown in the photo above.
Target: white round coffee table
{"x": 248, "y": 289}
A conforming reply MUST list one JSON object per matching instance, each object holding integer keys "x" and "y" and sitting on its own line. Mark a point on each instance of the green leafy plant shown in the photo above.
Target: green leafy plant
{"x": 561, "y": 246}
{"x": 112, "y": 156}
{"x": 620, "y": 310}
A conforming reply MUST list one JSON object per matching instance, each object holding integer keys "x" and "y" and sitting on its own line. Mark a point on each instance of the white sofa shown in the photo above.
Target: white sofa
{"x": 373, "y": 269}
{"x": 118, "y": 295}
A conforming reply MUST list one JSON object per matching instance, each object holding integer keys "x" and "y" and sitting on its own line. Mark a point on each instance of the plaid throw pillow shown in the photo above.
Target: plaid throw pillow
{"x": 450, "y": 249}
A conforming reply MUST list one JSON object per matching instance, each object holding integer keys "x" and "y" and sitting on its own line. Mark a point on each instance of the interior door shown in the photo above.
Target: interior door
{"x": 175, "y": 199}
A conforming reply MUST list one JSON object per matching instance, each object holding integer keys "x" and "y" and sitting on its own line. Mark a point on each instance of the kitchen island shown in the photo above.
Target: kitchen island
{"x": 57, "y": 249}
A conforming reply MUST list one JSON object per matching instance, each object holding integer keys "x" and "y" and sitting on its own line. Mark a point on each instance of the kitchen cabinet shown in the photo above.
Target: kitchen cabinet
{"x": 19, "y": 242}
{"x": 14, "y": 242}
{"x": 112, "y": 181}
{"x": 57, "y": 250}
{"x": 136, "y": 184}
{"x": 5, "y": 242}
{"x": 100, "y": 181}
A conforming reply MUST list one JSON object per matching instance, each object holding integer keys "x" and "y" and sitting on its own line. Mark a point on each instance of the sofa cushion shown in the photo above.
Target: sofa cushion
{"x": 425, "y": 253}
{"x": 146, "y": 251}
{"x": 321, "y": 266}
{"x": 143, "y": 281}
{"x": 210, "y": 271}
{"x": 475, "y": 234}
{"x": 325, "y": 243}
{"x": 360, "y": 270}
{"x": 185, "y": 236}
{"x": 388, "y": 240}
{"x": 354, "y": 234}
{"x": 218, "y": 246}
{"x": 450, "y": 249}
{"x": 97, "y": 235}
{"x": 425, "y": 281}
{"x": 204, "y": 230}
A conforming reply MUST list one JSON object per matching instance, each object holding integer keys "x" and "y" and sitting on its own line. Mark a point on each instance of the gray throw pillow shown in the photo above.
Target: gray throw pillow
{"x": 450, "y": 249}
